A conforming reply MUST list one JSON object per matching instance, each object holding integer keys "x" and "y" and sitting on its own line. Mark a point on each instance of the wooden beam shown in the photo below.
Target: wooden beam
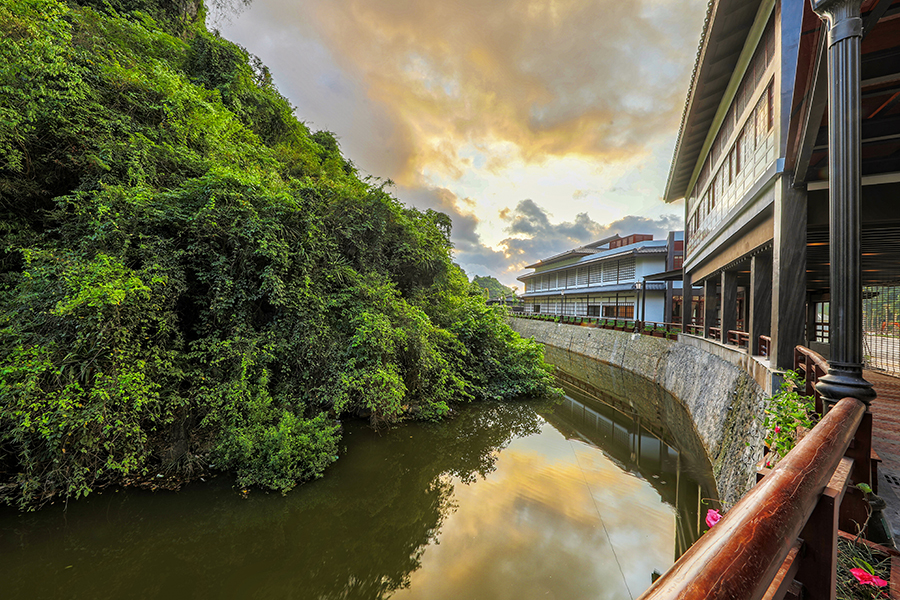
{"x": 817, "y": 102}
{"x": 874, "y": 16}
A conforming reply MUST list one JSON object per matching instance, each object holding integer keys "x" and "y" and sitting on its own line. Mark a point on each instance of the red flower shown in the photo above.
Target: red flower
{"x": 862, "y": 576}
{"x": 712, "y": 517}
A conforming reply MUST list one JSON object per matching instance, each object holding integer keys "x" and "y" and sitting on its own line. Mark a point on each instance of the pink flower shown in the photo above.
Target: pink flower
{"x": 777, "y": 429}
{"x": 862, "y": 576}
{"x": 712, "y": 517}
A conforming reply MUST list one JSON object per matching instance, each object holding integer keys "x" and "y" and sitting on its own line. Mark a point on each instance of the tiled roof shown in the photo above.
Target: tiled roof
{"x": 600, "y": 289}
{"x": 639, "y": 248}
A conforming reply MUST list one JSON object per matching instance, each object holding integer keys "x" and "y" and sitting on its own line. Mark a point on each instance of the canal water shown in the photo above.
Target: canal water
{"x": 578, "y": 498}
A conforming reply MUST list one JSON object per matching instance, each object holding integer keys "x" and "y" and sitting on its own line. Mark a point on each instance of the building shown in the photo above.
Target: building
{"x": 609, "y": 278}
{"x": 755, "y": 157}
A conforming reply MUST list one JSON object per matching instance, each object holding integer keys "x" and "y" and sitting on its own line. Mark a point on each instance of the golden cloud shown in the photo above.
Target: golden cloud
{"x": 599, "y": 78}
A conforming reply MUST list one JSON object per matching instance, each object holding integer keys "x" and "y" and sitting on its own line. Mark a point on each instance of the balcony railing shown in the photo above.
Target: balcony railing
{"x": 741, "y": 339}
{"x": 810, "y": 366}
{"x": 782, "y": 535}
{"x": 765, "y": 343}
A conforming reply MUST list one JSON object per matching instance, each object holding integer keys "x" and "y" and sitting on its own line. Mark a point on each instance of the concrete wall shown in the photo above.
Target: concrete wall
{"x": 724, "y": 402}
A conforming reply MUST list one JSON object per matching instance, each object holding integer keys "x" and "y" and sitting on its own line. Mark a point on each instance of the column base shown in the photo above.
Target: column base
{"x": 841, "y": 382}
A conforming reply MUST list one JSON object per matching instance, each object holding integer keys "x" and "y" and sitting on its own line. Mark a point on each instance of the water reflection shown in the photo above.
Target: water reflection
{"x": 504, "y": 501}
{"x": 679, "y": 473}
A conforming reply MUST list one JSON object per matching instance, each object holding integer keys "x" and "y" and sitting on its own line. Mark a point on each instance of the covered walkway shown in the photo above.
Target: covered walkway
{"x": 886, "y": 442}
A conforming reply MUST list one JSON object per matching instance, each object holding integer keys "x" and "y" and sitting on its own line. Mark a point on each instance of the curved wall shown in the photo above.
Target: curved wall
{"x": 724, "y": 401}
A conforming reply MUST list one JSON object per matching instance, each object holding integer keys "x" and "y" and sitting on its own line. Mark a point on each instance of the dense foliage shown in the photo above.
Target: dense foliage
{"x": 189, "y": 276}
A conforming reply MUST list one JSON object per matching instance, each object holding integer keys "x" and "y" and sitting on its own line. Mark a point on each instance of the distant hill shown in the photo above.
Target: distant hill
{"x": 493, "y": 286}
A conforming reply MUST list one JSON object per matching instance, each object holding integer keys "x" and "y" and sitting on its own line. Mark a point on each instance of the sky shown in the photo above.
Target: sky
{"x": 537, "y": 125}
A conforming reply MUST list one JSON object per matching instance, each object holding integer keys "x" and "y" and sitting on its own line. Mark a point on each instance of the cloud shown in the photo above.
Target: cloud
{"x": 534, "y": 237}
{"x": 600, "y": 78}
{"x": 470, "y": 252}
{"x": 472, "y": 105}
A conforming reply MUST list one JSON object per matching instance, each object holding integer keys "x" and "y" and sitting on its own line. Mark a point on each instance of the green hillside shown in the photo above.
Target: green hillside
{"x": 494, "y": 288}
{"x": 190, "y": 277}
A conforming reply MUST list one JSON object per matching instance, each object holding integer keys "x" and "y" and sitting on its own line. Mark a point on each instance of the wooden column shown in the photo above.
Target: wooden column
{"x": 760, "y": 299}
{"x": 710, "y": 305}
{"x": 729, "y": 303}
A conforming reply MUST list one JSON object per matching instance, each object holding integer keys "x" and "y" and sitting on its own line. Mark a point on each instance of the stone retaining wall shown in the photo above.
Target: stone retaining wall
{"x": 723, "y": 400}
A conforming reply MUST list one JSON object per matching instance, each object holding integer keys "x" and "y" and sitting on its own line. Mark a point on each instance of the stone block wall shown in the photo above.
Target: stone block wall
{"x": 724, "y": 402}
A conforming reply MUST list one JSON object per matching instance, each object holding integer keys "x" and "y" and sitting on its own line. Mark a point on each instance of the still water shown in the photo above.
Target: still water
{"x": 566, "y": 499}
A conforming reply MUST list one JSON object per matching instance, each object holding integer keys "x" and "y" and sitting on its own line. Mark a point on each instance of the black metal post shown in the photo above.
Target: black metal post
{"x": 844, "y": 376}
{"x": 644, "y": 301}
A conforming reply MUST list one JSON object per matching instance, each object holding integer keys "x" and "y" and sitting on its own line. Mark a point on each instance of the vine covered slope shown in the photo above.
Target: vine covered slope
{"x": 190, "y": 277}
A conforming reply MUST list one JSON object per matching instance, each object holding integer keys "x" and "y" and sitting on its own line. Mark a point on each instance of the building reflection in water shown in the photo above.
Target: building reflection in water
{"x": 642, "y": 446}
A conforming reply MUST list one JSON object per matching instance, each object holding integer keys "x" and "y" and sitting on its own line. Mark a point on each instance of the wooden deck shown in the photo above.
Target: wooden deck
{"x": 886, "y": 442}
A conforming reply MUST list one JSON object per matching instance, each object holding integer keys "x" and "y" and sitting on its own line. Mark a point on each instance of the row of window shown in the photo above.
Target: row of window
{"x": 734, "y": 162}
{"x": 611, "y": 271}
{"x": 623, "y": 310}
{"x": 762, "y": 58}
{"x": 754, "y": 136}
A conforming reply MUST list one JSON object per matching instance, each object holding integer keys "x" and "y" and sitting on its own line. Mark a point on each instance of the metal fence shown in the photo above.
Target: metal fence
{"x": 881, "y": 325}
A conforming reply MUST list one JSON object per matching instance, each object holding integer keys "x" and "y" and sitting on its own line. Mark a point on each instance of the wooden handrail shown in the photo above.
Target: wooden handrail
{"x": 811, "y": 366}
{"x": 741, "y": 556}
{"x": 739, "y": 338}
{"x": 814, "y": 357}
{"x": 765, "y": 344}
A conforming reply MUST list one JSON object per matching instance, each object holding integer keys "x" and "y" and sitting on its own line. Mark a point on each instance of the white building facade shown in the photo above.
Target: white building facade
{"x": 606, "y": 279}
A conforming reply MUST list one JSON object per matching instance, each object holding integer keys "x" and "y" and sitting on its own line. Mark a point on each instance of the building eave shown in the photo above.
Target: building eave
{"x": 725, "y": 31}
{"x": 642, "y": 248}
{"x": 602, "y": 289}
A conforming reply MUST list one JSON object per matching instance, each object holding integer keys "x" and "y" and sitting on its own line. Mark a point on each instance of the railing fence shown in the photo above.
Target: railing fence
{"x": 881, "y": 324}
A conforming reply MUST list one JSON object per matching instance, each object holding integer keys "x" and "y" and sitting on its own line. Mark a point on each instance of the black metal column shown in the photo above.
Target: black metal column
{"x": 788, "y": 272}
{"x": 844, "y": 376}
{"x": 644, "y": 301}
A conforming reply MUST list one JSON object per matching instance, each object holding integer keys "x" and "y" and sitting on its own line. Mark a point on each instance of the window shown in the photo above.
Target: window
{"x": 822, "y": 322}
{"x": 730, "y": 166}
{"x": 626, "y": 269}
{"x": 610, "y": 272}
{"x": 582, "y": 276}
{"x": 620, "y": 311}
{"x": 676, "y": 309}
